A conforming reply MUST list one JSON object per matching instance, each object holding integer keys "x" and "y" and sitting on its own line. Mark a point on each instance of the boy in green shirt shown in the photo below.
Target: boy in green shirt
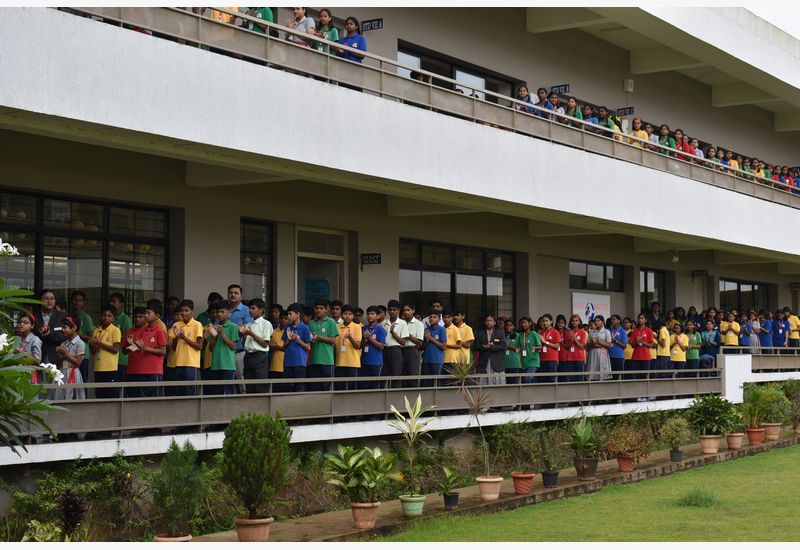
{"x": 124, "y": 323}
{"x": 222, "y": 338}
{"x": 324, "y": 331}
{"x": 511, "y": 360}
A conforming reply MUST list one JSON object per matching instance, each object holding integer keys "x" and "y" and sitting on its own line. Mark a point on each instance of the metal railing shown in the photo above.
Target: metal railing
{"x": 381, "y": 76}
{"x": 331, "y": 405}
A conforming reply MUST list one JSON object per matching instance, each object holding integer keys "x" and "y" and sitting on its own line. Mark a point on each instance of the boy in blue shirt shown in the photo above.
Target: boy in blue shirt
{"x": 765, "y": 336}
{"x": 373, "y": 338}
{"x": 780, "y": 331}
{"x": 296, "y": 345}
{"x": 435, "y": 343}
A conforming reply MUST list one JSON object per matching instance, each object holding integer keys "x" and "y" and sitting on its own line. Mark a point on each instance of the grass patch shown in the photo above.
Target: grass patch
{"x": 754, "y": 500}
{"x": 698, "y": 497}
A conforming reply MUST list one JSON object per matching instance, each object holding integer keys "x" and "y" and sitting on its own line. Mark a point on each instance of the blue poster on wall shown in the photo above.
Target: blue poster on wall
{"x": 316, "y": 289}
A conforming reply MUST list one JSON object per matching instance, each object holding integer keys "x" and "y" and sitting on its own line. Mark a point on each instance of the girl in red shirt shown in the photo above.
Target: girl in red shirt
{"x": 575, "y": 344}
{"x": 561, "y": 324}
{"x": 551, "y": 344}
{"x": 642, "y": 340}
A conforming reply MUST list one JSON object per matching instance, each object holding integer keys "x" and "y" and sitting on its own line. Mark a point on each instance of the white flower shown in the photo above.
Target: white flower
{"x": 53, "y": 374}
{"x": 3, "y": 341}
{"x": 7, "y": 249}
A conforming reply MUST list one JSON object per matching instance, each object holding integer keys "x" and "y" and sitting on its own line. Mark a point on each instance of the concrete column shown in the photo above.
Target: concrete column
{"x": 285, "y": 263}
{"x": 632, "y": 290}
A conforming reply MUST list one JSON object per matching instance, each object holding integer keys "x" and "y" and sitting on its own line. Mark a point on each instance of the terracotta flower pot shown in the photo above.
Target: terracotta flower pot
{"x": 523, "y": 483}
{"x": 735, "y": 441}
{"x": 364, "y": 514}
{"x": 626, "y": 464}
{"x": 253, "y": 530}
{"x": 489, "y": 486}
{"x": 772, "y": 430}
{"x": 163, "y": 537}
{"x": 586, "y": 468}
{"x": 755, "y": 436}
{"x": 710, "y": 444}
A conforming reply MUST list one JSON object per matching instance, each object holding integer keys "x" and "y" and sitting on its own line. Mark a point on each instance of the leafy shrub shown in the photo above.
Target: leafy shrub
{"x": 791, "y": 389}
{"x": 777, "y": 407}
{"x": 179, "y": 486}
{"x": 630, "y": 441}
{"x": 675, "y": 432}
{"x": 697, "y": 497}
{"x": 583, "y": 441}
{"x": 711, "y": 415}
{"x": 515, "y": 447}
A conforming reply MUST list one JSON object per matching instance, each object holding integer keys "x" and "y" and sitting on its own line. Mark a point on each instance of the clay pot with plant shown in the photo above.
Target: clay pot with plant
{"x": 412, "y": 428}
{"x": 753, "y": 413}
{"x": 777, "y": 410}
{"x": 735, "y": 436}
{"x": 710, "y": 417}
{"x": 629, "y": 443}
{"x": 447, "y": 483}
{"x": 478, "y": 401}
{"x": 255, "y": 463}
{"x": 179, "y": 486}
{"x": 675, "y": 432}
{"x": 791, "y": 389}
{"x": 551, "y": 455}
{"x": 515, "y": 446}
{"x": 586, "y": 447}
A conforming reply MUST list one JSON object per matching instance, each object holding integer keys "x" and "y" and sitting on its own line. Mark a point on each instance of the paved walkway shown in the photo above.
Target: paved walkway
{"x": 338, "y": 525}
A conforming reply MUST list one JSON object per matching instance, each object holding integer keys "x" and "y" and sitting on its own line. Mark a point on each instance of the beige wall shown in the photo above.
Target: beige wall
{"x": 208, "y": 220}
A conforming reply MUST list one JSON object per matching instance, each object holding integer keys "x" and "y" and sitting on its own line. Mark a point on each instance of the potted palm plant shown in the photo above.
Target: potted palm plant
{"x": 585, "y": 444}
{"x": 255, "y": 462}
{"x": 675, "y": 432}
{"x": 736, "y": 435}
{"x": 791, "y": 389}
{"x": 777, "y": 410}
{"x": 710, "y": 418}
{"x": 629, "y": 443}
{"x": 179, "y": 486}
{"x": 753, "y": 413}
{"x": 447, "y": 483}
{"x": 412, "y": 428}
{"x": 477, "y": 400}
{"x": 361, "y": 474}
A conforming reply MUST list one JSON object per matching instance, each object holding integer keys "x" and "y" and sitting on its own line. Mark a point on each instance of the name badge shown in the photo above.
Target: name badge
{"x": 674, "y": 351}
{"x": 343, "y": 348}
{"x": 544, "y": 349}
{"x": 366, "y": 349}
{"x": 524, "y": 353}
{"x": 508, "y": 351}
{"x": 780, "y": 331}
{"x": 496, "y": 340}
{"x": 572, "y": 349}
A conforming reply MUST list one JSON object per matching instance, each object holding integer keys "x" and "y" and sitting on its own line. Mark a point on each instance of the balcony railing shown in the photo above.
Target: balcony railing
{"x": 380, "y": 76}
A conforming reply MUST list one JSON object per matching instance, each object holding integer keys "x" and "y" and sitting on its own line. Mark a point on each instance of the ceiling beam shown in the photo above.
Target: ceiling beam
{"x": 738, "y": 93}
{"x": 787, "y": 122}
{"x": 642, "y": 245}
{"x": 661, "y": 59}
{"x": 209, "y": 175}
{"x": 732, "y": 258}
{"x": 402, "y": 207}
{"x": 540, "y": 229}
{"x": 788, "y": 268}
{"x": 539, "y": 20}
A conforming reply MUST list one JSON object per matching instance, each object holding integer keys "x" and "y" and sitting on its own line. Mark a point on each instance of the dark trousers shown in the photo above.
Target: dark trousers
{"x": 106, "y": 378}
{"x": 431, "y": 369}
{"x": 142, "y": 391}
{"x": 369, "y": 370}
{"x": 393, "y": 364}
{"x": 617, "y": 364}
{"x": 662, "y": 365}
{"x": 639, "y": 364}
{"x": 678, "y": 366}
{"x": 411, "y": 365}
{"x": 296, "y": 371}
{"x": 225, "y": 389}
{"x": 275, "y": 375}
{"x": 84, "y": 368}
{"x": 511, "y": 375}
{"x": 255, "y": 368}
{"x": 548, "y": 367}
{"x": 186, "y": 374}
{"x": 319, "y": 371}
{"x": 346, "y": 372}
{"x": 691, "y": 364}
{"x": 572, "y": 371}
{"x": 170, "y": 376}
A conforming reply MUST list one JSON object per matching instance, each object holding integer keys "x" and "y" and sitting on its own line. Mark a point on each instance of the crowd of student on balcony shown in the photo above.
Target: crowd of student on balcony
{"x": 549, "y": 105}
{"x": 393, "y": 346}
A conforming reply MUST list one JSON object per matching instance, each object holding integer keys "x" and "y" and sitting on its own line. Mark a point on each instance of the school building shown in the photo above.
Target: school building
{"x": 135, "y": 161}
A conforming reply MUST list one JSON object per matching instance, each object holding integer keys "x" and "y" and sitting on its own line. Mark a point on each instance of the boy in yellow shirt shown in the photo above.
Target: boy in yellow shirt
{"x": 348, "y": 349}
{"x": 276, "y": 350}
{"x": 794, "y": 328}
{"x": 186, "y": 347}
{"x": 730, "y": 333}
{"x": 104, "y": 342}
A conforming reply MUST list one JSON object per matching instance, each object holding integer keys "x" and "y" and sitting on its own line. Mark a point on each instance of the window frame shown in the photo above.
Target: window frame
{"x": 342, "y": 292}
{"x": 763, "y": 287}
{"x": 605, "y": 276}
{"x": 272, "y": 252}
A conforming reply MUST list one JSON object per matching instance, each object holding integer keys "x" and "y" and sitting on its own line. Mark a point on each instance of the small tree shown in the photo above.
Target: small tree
{"x": 675, "y": 432}
{"x": 412, "y": 429}
{"x": 791, "y": 388}
{"x": 475, "y": 397}
{"x": 179, "y": 486}
{"x": 256, "y": 460}
{"x": 710, "y": 415}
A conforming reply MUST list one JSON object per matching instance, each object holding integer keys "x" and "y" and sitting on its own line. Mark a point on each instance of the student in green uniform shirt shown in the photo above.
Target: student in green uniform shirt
{"x": 325, "y": 29}
{"x": 530, "y": 345}
{"x": 261, "y": 13}
{"x": 511, "y": 359}
{"x": 77, "y": 302}
{"x": 324, "y": 331}
{"x": 123, "y": 322}
{"x": 693, "y": 351}
{"x": 222, "y": 338}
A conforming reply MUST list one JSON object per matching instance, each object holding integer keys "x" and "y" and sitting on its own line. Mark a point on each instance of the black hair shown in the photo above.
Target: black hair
{"x": 308, "y": 312}
{"x": 435, "y": 312}
{"x": 154, "y": 306}
{"x": 541, "y": 90}
{"x": 322, "y": 302}
{"x": 548, "y": 316}
{"x": 170, "y": 298}
{"x": 457, "y": 311}
{"x": 112, "y": 296}
{"x": 74, "y": 293}
{"x": 234, "y": 285}
{"x": 393, "y": 303}
{"x": 354, "y": 20}
{"x": 373, "y": 309}
{"x": 222, "y": 304}
{"x": 436, "y": 301}
{"x": 258, "y": 302}
{"x": 329, "y": 15}
{"x": 448, "y": 313}
{"x": 284, "y": 313}
{"x": 186, "y": 303}
{"x": 214, "y": 297}
{"x": 70, "y": 321}
{"x": 409, "y": 305}
{"x": 525, "y": 318}
{"x": 296, "y": 307}
{"x": 336, "y": 303}
{"x": 358, "y": 311}
{"x": 381, "y": 308}
{"x": 138, "y": 310}
{"x": 596, "y": 317}
{"x": 276, "y": 306}
{"x": 45, "y": 291}
{"x": 347, "y": 307}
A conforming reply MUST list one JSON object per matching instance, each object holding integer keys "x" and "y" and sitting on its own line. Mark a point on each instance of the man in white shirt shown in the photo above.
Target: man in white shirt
{"x": 256, "y": 335}
{"x": 396, "y": 336}
{"x": 436, "y": 305}
{"x": 412, "y": 360}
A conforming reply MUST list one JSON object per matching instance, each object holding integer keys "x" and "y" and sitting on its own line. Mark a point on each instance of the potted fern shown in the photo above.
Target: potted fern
{"x": 710, "y": 418}
{"x": 412, "y": 428}
{"x": 361, "y": 474}
{"x": 777, "y": 410}
{"x": 447, "y": 483}
{"x": 586, "y": 445}
{"x": 255, "y": 463}
{"x": 179, "y": 486}
{"x": 477, "y": 400}
{"x": 675, "y": 432}
{"x": 629, "y": 443}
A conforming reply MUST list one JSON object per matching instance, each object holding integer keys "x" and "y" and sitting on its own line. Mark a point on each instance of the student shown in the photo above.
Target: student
{"x": 435, "y": 339}
{"x": 70, "y": 355}
{"x": 490, "y": 345}
{"x": 551, "y": 344}
{"x": 170, "y": 375}
{"x": 452, "y": 351}
{"x": 308, "y": 314}
{"x": 794, "y": 328}
{"x": 30, "y": 345}
{"x": 48, "y": 326}
{"x": 765, "y": 333}
{"x": 396, "y": 335}
{"x": 573, "y": 111}
{"x": 297, "y": 344}
{"x": 466, "y": 335}
{"x": 336, "y": 311}
{"x": 679, "y": 345}
{"x": 512, "y": 360}
{"x": 105, "y": 341}
{"x": 730, "y": 330}
{"x": 358, "y": 316}
{"x": 666, "y": 140}
{"x": 324, "y": 332}
{"x": 745, "y": 333}
{"x": 412, "y": 358}
{"x": 619, "y": 342}
{"x": 711, "y": 341}
{"x": 663, "y": 356}
{"x": 561, "y": 327}
{"x": 77, "y": 300}
{"x": 641, "y": 137}
{"x": 530, "y": 346}
{"x": 543, "y": 103}
{"x": 324, "y": 29}
{"x": 186, "y": 347}
{"x": 598, "y": 363}
{"x": 698, "y": 152}
{"x": 275, "y": 312}
{"x": 373, "y": 338}
{"x": 169, "y": 316}
{"x": 695, "y": 341}
{"x": 348, "y": 346}
{"x": 256, "y": 336}
{"x": 682, "y": 144}
{"x": 205, "y": 318}
{"x": 575, "y": 357}
{"x": 222, "y": 340}
{"x": 352, "y": 39}
{"x": 642, "y": 341}
{"x": 264, "y": 14}
{"x": 123, "y": 323}
{"x": 276, "y": 349}
{"x": 525, "y": 98}
{"x": 590, "y": 118}
{"x": 780, "y": 331}
{"x": 436, "y": 305}
{"x": 628, "y": 325}
{"x": 135, "y": 368}
{"x": 303, "y": 25}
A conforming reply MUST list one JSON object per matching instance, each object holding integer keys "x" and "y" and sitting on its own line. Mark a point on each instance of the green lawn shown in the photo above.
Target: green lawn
{"x": 756, "y": 499}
